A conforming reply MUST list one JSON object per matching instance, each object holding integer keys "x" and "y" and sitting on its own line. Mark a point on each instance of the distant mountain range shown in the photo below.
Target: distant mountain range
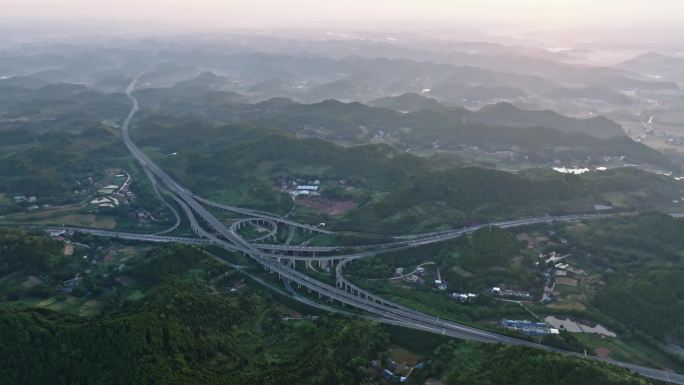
{"x": 310, "y": 79}
{"x": 506, "y": 115}
{"x": 656, "y": 64}
{"x": 412, "y": 122}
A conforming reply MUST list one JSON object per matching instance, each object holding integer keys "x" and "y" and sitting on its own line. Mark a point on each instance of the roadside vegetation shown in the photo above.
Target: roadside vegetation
{"x": 186, "y": 327}
{"x": 624, "y": 275}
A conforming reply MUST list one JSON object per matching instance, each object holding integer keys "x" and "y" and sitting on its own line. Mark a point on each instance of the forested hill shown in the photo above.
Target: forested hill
{"x": 182, "y": 332}
{"x": 643, "y": 259}
{"x": 184, "y": 335}
{"x": 458, "y": 195}
{"x": 541, "y": 135}
{"x": 395, "y": 191}
{"x": 506, "y": 114}
{"x": 185, "y": 332}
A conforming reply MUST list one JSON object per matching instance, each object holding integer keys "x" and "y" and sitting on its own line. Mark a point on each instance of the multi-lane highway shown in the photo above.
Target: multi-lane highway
{"x": 346, "y": 293}
{"x": 327, "y": 253}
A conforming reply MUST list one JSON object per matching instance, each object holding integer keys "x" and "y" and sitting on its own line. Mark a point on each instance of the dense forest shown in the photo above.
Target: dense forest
{"x": 182, "y": 334}
{"x": 488, "y": 247}
{"x": 473, "y": 364}
{"x": 31, "y": 254}
{"x": 185, "y": 331}
{"x": 460, "y": 196}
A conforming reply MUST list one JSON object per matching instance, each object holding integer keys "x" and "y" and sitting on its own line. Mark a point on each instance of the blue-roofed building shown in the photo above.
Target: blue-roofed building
{"x": 528, "y": 327}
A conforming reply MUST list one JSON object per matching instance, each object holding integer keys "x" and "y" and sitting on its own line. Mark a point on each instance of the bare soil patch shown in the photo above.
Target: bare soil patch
{"x": 603, "y": 352}
{"x": 326, "y": 206}
{"x": 566, "y": 281}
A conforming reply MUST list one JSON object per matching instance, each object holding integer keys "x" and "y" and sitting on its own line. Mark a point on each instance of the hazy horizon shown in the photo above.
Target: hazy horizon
{"x": 484, "y": 15}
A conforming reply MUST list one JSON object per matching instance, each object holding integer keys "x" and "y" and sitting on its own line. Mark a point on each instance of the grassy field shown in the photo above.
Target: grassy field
{"x": 51, "y": 295}
{"x": 69, "y": 216}
{"x": 632, "y": 351}
{"x": 70, "y": 304}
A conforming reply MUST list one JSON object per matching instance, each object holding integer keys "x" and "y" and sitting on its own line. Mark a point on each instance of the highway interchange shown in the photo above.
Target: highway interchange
{"x": 278, "y": 259}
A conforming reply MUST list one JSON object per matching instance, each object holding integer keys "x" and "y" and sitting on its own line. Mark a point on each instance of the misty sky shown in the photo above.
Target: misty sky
{"x": 207, "y": 14}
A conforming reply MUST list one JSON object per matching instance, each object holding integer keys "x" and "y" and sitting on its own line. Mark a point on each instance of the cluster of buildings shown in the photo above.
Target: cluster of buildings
{"x": 415, "y": 277}
{"x": 395, "y": 372}
{"x": 549, "y": 284}
{"x": 106, "y": 190}
{"x": 24, "y": 198}
{"x": 108, "y": 196}
{"x": 32, "y": 200}
{"x": 112, "y": 195}
{"x": 503, "y": 292}
{"x": 529, "y": 327}
{"x": 464, "y": 297}
{"x": 552, "y": 257}
{"x": 299, "y": 187}
{"x": 558, "y": 272}
{"x": 108, "y": 201}
{"x": 562, "y": 269}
